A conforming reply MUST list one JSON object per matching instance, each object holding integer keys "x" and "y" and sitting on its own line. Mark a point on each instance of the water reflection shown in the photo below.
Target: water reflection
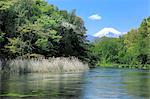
{"x": 57, "y": 86}
{"x": 116, "y": 84}
{"x": 98, "y": 83}
{"x": 103, "y": 84}
{"x": 137, "y": 83}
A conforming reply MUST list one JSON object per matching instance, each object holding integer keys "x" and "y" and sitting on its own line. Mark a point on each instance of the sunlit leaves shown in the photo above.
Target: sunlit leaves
{"x": 16, "y": 45}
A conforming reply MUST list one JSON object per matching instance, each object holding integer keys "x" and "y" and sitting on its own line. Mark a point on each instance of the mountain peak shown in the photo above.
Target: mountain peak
{"x": 108, "y": 32}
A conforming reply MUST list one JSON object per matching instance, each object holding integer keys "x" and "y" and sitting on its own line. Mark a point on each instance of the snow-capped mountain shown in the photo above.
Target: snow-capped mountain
{"x": 108, "y": 32}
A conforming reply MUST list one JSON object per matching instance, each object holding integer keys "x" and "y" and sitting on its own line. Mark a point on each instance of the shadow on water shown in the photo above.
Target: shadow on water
{"x": 37, "y": 86}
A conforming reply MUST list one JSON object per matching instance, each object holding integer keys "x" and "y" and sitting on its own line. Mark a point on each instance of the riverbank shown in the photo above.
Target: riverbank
{"x": 60, "y": 64}
{"x": 124, "y": 66}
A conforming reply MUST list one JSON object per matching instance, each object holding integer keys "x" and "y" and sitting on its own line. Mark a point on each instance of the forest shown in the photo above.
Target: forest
{"x": 130, "y": 50}
{"x": 34, "y": 27}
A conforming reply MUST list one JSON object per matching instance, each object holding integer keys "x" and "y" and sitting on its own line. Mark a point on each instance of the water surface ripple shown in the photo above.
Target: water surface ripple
{"x": 98, "y": 83}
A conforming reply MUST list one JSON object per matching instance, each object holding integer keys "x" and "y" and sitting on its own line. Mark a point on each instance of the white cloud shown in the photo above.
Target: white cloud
{"x": 109, "y": 32}
{"x": 95, "y": 17}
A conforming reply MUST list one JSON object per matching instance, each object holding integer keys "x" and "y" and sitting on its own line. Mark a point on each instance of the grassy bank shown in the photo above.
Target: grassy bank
{"x": 45, "y": 65}
{"x": 124, "y": 65}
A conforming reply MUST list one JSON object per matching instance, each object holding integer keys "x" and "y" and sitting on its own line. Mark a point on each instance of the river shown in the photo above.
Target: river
{"x": 97, "y": 83}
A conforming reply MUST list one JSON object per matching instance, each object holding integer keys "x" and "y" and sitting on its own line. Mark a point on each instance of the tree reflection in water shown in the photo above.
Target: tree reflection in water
{"x": 36, "y": 86}
{"x": 97, "y": 83}
{"x": 137, "y": 83}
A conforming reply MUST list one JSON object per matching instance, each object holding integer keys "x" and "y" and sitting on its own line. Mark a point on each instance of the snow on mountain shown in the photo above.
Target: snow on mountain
{"x": 108, "y": 32}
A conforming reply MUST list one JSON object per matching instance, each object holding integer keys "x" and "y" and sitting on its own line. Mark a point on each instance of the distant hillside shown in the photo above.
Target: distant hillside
{"x": 91, "y": 38}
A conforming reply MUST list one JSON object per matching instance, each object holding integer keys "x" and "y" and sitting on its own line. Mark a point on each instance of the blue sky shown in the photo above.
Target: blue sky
{"x": 122, "y": 15}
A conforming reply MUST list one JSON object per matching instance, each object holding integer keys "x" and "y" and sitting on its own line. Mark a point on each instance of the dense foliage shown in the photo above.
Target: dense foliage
{"x": 132, "y": 49}
{"x": 36, "y": 27}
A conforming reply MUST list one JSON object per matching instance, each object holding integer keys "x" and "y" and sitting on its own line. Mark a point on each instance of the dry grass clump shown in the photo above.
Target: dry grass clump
{"x": 46, "y": 65}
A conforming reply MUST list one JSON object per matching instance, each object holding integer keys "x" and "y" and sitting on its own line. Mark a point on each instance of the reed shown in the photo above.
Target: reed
{"x": 60, "y": 64}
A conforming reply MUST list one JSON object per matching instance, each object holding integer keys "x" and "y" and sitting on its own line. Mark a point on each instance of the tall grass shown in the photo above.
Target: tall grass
{"x": 46, "y": 65}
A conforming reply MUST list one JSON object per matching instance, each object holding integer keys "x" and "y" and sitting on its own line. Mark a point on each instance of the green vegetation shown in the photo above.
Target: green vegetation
{"x": 131, "y": 50}
{"x": 35, "y": 27}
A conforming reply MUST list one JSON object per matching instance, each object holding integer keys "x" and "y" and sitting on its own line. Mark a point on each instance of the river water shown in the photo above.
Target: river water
{"x": 98, "y": 83}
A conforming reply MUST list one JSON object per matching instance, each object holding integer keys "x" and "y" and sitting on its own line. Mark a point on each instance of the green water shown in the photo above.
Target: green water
{"x": 98, "y": 83}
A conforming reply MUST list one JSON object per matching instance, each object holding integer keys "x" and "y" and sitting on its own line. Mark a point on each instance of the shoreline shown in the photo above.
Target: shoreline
{"x": 113, "y": 65}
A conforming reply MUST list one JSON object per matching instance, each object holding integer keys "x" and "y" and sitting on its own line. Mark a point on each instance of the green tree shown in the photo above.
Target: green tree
{"x": 132, "y": 49}
{"x": 36, "y": 27}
